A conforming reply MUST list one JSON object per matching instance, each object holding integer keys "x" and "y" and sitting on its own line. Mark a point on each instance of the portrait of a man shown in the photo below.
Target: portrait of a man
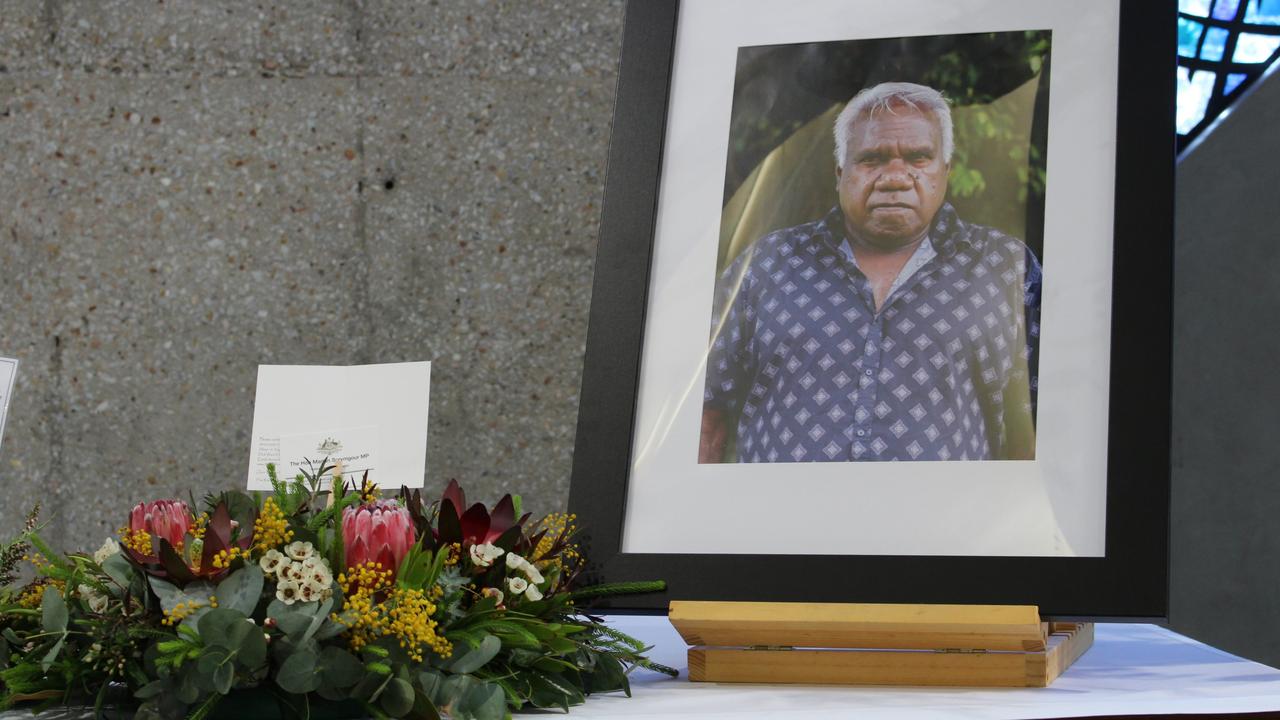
{"x": 889, "y": 328}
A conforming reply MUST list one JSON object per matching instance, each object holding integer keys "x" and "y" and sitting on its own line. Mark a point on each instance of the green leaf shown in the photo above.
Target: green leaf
{"x": 53, "y": 610}
{"x": 294, "y": 625}
{"x": 52, "y": 655}
{"x": 241, "y": 590}
{"x": 151, "y": 689}
{"x": 397, "y": 698}
{"x": 224, "y": 628}
{"x": 188, "y": 690}
{"x": 252, "y": 652}
{"x": 301, "y": 620}
{"x": 485, "y": 701}
{"x": 454, "y": 689}
{"x": 298, "y": 673}
{"x": 118, "y": 568}
{"x": 223, "y": 676}
{"x": 431, "y": 683}
{"x": 210, "y": 660}
{"x": 423, "y": 708}
{"x": 476, "y": 657}
{"x": 170, "y": 595}
{"x": 339, "y": 668}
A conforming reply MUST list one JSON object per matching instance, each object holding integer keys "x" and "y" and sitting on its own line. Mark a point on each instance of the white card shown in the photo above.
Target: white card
{"x": 8, "y": 371}
{"x": 369, "y": 417}
{"x": 351, "y": 452}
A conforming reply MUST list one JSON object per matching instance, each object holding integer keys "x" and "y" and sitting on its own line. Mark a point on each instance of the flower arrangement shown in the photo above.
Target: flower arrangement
{"x": 337, "y": 600}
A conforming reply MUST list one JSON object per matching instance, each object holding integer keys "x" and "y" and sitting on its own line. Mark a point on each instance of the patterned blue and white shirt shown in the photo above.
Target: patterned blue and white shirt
{"x": 800, "y": 357}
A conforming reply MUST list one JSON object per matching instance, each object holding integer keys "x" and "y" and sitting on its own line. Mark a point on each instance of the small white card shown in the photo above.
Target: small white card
{"x": 368, "y": 417}
{"x": 8, "y": 371}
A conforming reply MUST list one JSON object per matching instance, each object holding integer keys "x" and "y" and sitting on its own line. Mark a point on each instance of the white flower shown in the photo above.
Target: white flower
{"x": 109, "y": 548}
{"x": 493, "y": 593}
{"x": 321, "y": 576}
{"x": 307, "y": 592}
{"x": 287, "y": 592}
{"x": 514, "y": 561}
{"x": 533, "y": 593}
{"x": 484, "y": 555}
{"x": 534, "y": 576}
{"x": 517, "y": 585}
{"x": 295, "y": 572}
{"x": 299, "y": 550}
{"x": 97, "y": 601}
{"x": 271, "y": 561}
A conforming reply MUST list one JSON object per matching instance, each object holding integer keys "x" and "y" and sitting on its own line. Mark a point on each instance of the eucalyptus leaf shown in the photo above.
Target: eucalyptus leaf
{"x": 252, "y": 652}
{"x": 397, "y": 698}
{"x": 151, "y": 689}
{"x": 53, "y": 610}
{"x": 329, "y": 692}
{"x": 296, "y": 620}
{"x": 294, "y": 625}
{"x": 485, "y": 701}
{"x": 197, "y": 593}
{"x": 298, "y": 673}
{"x": 329, "y": 630}
{"x": 241, "y": 590}
{"x": 118, "y": 569}
{"x": 188, "y": 690}
{"x": 339, "y": 668}
{"x": 210, "y": 660}
{"x": 476, "y": 658}
{"x": 223, "y": 676}
{"x": 320, "y": 614}
{"x": 52, "y": 655}
{"x": 432, "y": 683}
{"x": 224, "y": 628}
{"x": 454, "y": 688}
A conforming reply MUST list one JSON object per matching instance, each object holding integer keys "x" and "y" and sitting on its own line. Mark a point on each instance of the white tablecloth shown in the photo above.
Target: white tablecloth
{"x": 1130, "y": 670}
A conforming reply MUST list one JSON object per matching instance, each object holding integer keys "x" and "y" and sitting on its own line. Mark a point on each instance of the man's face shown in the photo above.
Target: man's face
{"x": 894, "y": 178}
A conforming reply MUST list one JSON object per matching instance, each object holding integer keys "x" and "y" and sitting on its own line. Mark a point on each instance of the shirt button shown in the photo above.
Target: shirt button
{"x": 868, "y": 373}
{"x": 862, "y": 433}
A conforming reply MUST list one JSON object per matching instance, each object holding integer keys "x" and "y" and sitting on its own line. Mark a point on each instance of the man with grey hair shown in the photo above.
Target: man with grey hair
{"x": 890, "y": 329}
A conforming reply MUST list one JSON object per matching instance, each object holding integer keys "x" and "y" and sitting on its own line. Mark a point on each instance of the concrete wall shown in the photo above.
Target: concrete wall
{"x": 1226, "y": 457}
{"x": 189, "y": 188}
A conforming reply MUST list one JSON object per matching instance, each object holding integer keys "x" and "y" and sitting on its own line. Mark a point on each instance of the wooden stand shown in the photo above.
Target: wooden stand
{"x": 865, "y": 644}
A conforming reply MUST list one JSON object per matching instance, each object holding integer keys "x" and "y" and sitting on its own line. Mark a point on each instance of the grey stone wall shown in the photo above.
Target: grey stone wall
{"x": 1226, "y": 461}
{"x": 189, "y": 188}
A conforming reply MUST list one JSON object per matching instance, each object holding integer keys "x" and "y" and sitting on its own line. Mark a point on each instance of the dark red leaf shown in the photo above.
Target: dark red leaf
{"x": 453, "y": 493}
{"x": 507, "y": 540}
{"x": 475, "y": 524}
{"x": 503, "y": 515}
{"x": 450, "y": 526}
{"x": 173, "y": 563}
{"x": 219, "y": 525}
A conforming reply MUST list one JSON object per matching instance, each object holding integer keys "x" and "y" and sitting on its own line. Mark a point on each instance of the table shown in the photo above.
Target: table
{"x": 1131, "y": 669}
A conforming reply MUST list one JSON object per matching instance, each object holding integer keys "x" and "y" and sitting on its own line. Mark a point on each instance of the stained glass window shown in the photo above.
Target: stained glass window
{"x": 1223, "y": 47}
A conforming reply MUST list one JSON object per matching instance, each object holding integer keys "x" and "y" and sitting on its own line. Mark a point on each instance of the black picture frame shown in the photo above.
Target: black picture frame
{"x": 1130, "y": 582}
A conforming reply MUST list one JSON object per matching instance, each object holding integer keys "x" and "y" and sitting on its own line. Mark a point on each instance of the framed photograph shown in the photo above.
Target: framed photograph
{"x": 882, "y": 307}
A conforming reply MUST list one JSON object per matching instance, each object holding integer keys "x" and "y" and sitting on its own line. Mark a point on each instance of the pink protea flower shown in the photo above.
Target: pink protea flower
{"x": 380, "y": 532}
{"x": 166, "y": 519}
